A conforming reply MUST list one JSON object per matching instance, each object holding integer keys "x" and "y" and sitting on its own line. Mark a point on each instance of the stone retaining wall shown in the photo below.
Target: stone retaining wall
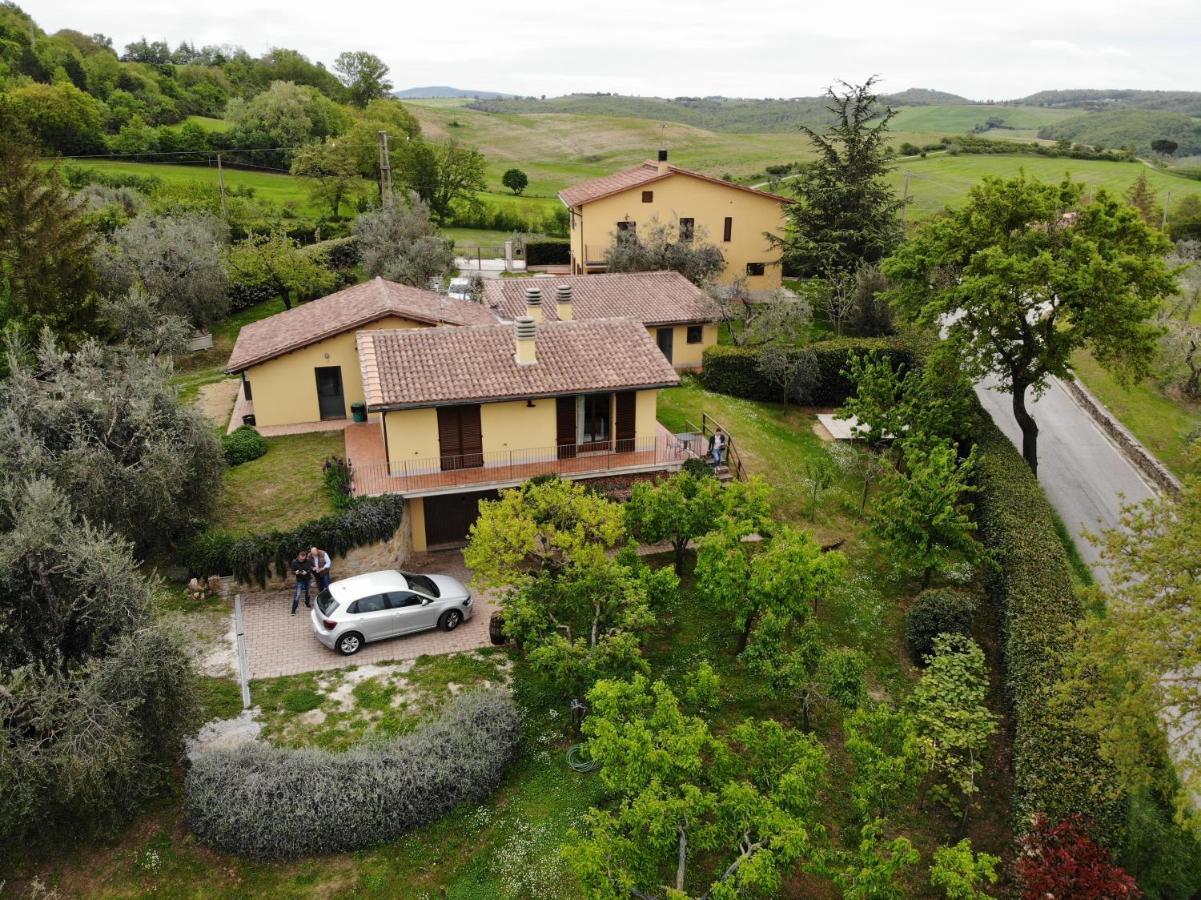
{"x": 1130, "y": 446}
{"x": 389, "y": 554}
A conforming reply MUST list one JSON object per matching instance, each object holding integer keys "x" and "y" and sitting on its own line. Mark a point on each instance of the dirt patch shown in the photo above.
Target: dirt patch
{"x": 211, "y": 640}
{"x": 226, "y": 734}
{"x": 216, "y": 400}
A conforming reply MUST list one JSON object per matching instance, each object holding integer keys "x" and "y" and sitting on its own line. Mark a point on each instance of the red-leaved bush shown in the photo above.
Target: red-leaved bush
{"x": 1061, "y": 862}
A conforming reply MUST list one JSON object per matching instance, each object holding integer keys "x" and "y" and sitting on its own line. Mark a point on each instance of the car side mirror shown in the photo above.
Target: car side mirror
{"x": 425, "y": 601}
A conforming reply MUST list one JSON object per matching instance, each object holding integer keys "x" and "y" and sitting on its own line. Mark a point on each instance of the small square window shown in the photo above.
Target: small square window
{"x": 696, "y": 334}
{"x": 687, "y": 229}
{"x": 648, "y": 196}
{"x": 755, "y": 268}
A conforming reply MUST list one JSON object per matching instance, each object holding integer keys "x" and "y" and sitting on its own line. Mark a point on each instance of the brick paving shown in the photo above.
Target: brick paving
{"x": 278, "y": 643}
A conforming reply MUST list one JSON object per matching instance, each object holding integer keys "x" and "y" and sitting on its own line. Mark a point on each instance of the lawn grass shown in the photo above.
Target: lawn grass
{"x": 467, "y": 239}
{"x": 1162, "y": 423}
{"x": 281, "y": 489}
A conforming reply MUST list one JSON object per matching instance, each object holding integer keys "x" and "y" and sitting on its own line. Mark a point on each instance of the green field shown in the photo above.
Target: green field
{"x": 209, "y": 124}
{"x": 960, "y": 119}
{"x": 278, "y": 188}
{"x": 939, "y": 181}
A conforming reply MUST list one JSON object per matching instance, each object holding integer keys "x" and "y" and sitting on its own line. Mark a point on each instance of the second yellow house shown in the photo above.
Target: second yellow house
{"x": 731, "y": 216}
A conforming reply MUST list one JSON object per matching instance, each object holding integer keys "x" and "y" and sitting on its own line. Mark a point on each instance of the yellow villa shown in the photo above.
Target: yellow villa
{"x": 734, "y": 217}
{"x": 463, "y": 412}
{"x": 302, "y": 365}
{"x": 678, "y": 315}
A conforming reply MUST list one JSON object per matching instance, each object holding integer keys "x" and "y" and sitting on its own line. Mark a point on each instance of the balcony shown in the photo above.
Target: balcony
{"x": 373, "y": 475}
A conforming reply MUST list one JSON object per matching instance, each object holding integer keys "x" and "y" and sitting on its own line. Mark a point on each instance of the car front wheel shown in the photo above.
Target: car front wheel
{"x": 350, "y": 643}
{"x": 450, "y": 620}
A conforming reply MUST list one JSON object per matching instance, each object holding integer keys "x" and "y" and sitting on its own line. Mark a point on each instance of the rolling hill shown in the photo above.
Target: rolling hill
{"x": 441, "y": 92}
{"x": 1131, "y": 127}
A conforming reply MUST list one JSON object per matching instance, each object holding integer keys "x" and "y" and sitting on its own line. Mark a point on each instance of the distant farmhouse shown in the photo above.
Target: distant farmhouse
{"x": 732, "y": 216}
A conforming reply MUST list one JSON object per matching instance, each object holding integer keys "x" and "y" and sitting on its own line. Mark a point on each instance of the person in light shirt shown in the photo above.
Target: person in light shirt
{"x": 321, "y": 567}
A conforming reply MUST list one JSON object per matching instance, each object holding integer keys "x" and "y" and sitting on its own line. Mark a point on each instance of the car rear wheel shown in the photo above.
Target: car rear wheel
{"x": 350, "y": 643}
{"x": 450, "y": 620}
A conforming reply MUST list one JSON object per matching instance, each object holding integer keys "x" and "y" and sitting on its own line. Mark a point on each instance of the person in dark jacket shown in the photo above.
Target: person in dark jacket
{"x": 302, "y": 571}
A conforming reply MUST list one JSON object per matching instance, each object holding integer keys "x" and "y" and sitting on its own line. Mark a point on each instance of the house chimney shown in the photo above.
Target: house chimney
{"x": 533, "y": 303}
{"x": 662, "y": 162}
{"x": 563, "y": 299}
{"x": 526, "y": 328}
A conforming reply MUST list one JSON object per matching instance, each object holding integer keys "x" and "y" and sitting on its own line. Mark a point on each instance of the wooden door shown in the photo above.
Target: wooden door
{"x": 460, "y": 437}
{"x": 448, "y": 518}
{"x": 565, "y": 427}
{"x": 627, "y": 407}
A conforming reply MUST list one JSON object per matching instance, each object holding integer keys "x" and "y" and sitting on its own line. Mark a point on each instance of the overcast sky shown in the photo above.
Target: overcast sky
{"x": 755, "y": 48}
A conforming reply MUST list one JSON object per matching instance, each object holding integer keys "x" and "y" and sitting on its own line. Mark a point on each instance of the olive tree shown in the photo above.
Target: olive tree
{"x": 107, "y": 427}
{"x": 400, "y": 243}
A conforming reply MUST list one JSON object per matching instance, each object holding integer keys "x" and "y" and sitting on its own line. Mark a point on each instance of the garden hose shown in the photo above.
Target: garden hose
{"x": 577, "y": 762}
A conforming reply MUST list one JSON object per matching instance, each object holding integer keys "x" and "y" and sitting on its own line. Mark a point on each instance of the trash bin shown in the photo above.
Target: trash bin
{"x": 358, "y": 412}
{"x": 248, "y": 419}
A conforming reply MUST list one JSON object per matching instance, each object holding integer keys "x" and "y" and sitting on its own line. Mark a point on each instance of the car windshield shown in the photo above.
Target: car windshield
{"x": 422, "y": 584}
{"x": 326, "y": 603}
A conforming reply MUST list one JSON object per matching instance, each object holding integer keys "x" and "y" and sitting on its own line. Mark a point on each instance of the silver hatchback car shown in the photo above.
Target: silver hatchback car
{"x": 378, "y": 605}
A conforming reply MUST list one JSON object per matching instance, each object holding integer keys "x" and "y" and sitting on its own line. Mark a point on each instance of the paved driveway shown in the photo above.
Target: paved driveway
{"x": 278, "y": 643}
{"x": 1084, "y": 475}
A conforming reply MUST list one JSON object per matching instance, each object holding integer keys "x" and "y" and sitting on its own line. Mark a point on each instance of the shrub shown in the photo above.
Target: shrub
{"x": 1063, "y": 861}
{"x": 547, "y": 253}
{"x": 1057, "y": 768}
{"x": 338, "y": 477}
{"x": 735, "y": 370}
{"x": 336, "y": 253}
{"x": 274, "y": 803}
{"x": 936, "y": 612}
{"x": 251, "y": 558}
{"x": 698, "y": 468}
{"x": 242, "y": 445}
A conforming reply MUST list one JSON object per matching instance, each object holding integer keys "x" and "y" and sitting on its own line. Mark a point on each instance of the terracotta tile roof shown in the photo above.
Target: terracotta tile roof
{"x": 345, "y": 310}
{"x": 652, "y": 298}
{"x": 647, "y": 173}
{"x": 435, "y": 366}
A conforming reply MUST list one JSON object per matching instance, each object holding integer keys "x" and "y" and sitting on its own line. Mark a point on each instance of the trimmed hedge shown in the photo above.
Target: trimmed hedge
{"x": 242, "y": 445}
{"x": 735, "y": 370}
{"x": 268, "y": 802}
{"x": 336, "y": 253}
{"x": 547, "y": 253}
{"x": 251, "y": 558}
{"x": 1057, "y": 769}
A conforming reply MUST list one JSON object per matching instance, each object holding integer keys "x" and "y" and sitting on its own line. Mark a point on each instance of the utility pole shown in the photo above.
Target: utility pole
{"x": 1167, "y": 199}
{"x": 905, "y": 198}
{"x": 385, "y": 170}
{"x": 221, "y": 181}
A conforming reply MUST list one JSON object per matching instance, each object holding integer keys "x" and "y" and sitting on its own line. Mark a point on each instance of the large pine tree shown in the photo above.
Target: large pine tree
{"x": 46, "y": 243}
{"x": 846, "y": 214}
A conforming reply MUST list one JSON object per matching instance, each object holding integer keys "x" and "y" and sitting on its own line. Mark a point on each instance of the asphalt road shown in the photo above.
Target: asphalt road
{"x": 1085, "y": 477}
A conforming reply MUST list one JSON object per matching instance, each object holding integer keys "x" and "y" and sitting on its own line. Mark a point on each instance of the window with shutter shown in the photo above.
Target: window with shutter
{"x": 565, "y": 426}
{"x": 627, "y": 406}
{"x": 460, "y": 437}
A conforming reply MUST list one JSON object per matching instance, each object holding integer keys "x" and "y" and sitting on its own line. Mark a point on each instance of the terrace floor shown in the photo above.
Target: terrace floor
{"x": 372, "y": 475}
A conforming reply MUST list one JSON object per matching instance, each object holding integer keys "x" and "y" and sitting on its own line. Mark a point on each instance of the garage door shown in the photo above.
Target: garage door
{"x": 447, "y": 518}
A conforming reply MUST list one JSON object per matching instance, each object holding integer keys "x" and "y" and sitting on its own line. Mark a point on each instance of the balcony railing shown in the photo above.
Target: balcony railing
{"x": 498, "y": 467}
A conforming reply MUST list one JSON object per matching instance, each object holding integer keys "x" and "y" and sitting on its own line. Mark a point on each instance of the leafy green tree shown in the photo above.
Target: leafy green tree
{"x": 784, "y": 576}
{"x": 576, "y": 608}
{"x": 951, "y": 713}
{"x": 106, "y": 426}
{"x": 847, "y": 214}
{"x": 95, "y": 696}
{"x": 275, "y": 123}
{"x": 60, "y": 117}
{"x": 275, "y": 265}
{"x": 515, "y": 180}
{"x": 400, "y": 243}
{"x": 856, "y": 460}
{"x": 921, "y": 514}
{"x": 364, "y": 75}
{"x": 442, "y": 175}
{"x": 1026, "y": 273}
{"x": 889, "y": 759}
{"x": 46, "y": 243}
{"x": 733, "y": 814}
{"x": 958, "y": 873}
{"x": 794, "y": 371}
{"x": 1135, "y": 673}
{"x": 819, "y": 474}
{"x": 138, "y": 321}
{"x": 331, "y": 171}
{"x": 878, "y": 401}
{"x": 683, "y": 507}
{"x": 870, "y": 872}
{"x": 180, "y": 260}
